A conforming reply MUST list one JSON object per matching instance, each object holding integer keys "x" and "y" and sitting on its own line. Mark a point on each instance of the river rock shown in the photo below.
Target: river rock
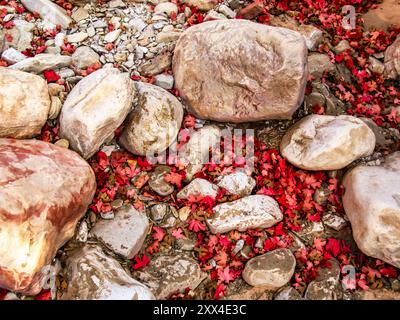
{"x": 84, "y": 57}
{"x": 169, "y": 274}
{"x": 251, "y": 212}
{"x": 24, "y": 104}
{"x": 20, "y": 35}
{"x": 44, "y": 191}
{"x": 372, "y": 204}
{"x": 273, "y": 269}
{"x": 95, "y": 108}
{"x": 154, "y": 123}
{"x": 258, "y": 72}
{"x": 196, "y": 151}
{"x": 237, "y": 183}
{"x": 49, "y": 11}
{"x": 12, "y": 56}
{"x": 288, "y": 293}
{"x": 319, "y": 142}
{"x": 158, "y": 183}
{"x": 42, "y": 62}
{"x": 92, "y": 275}
{"x": 125, "y": 233}
{"x": 198, "y": 187}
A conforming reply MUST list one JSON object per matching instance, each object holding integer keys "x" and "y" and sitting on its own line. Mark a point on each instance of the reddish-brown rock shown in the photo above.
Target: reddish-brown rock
{"x": 44, "y": 191}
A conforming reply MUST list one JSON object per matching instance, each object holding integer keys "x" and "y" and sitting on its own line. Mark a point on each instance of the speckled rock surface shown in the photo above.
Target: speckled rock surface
{"x": 92, "y": 275}
{"x": 255, "y": 211}
{"x": 125, "y": 233}
{"x": 168, "y": 274}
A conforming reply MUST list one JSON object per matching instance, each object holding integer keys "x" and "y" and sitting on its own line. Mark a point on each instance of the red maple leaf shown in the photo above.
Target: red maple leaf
{"x": 389, "y": 272}
{"x": 196, "y": 225}
{"x": 44, "y": 295}
{"x": 333, "y": 246}
{"x": 319, "y": 244}
{"x": 220, "y": 291}
{"x": 224, "y": 275}
{"x": 177, "y": 233}
{"x": 159, "y": 233}
{"x": 51, "y": 76}
{"x": 174, "y": 178}
{"x": 141, "y": 263}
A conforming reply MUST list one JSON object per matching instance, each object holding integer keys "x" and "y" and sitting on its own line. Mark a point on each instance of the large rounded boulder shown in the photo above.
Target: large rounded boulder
{"x": 44, "y": 191}
{"x": 154, "y": 123}
{"x": 319, "y": 142}
{"x": 372, "y": 203}
{"x": 24, "y": 104}
{"x": 240, "y": 71}
{"x": 95, "y": 108}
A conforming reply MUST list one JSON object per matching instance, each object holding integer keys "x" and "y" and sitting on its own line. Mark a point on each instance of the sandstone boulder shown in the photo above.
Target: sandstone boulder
{"x": 273, "y": 269}
{"x": 255, "y": 211}
{"x": 92, "y": 275}
{"x": 95, "y": 108}
{"x": 154, "y": 123}
{"x": 169, "y": 274}
{"x": 372, "y": 204}
{"x": 24, "y": 104}
{"x": 125, "y": 233}
{"x": 44, "y": 191}
{"x": 240, "y": 71}
{"x": 319, "y": 142}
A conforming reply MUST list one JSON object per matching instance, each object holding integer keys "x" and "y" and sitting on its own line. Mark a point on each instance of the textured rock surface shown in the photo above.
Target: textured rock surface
{"x": 272, "y": 270}
{"x": 255, "y": 211}
{"x": 49, "y": 11}
{"x": 94, "y": 109}
{"x": 312, "y": 35}
{"x": 392, "y": 60}
{"x": 154, "y": 123}
{"x": 42, "y": 62}
{"x": 168, "y": 274}
{"x": 318, "y": 64}
{"x": 24, "y": 104}
{"x": 157, "y": 182}
{"x": 44, "y": 191}
{"x": 320, "y": 142}
{"x": 84, "y": 57}
{"x": 20, "y": 36}
{"x": 259, "y": 72}
{"x": 198, "y": 187}
{"x": 288, "y": 293}
{"x": 372, "y": 204}
{"x": 385, "y": 15}
{"x": 237, "y": 183}
{"x": 196, "y": 151}
{"x": 379, "y": 294}
{"x": 92, "y": 275}
{"x": 125, "y": 233}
